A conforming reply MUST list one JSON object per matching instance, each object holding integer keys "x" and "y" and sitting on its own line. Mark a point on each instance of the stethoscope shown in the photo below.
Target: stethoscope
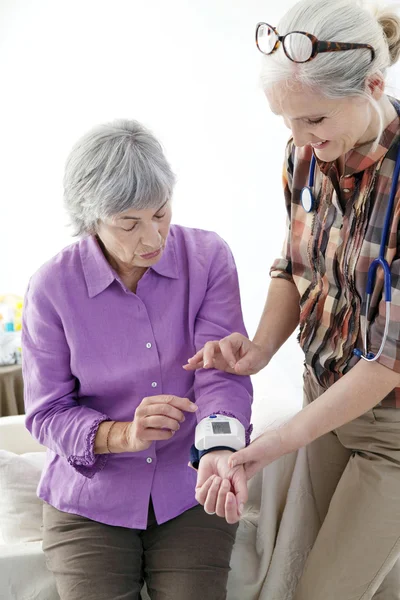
{"x": 308, "y": 203}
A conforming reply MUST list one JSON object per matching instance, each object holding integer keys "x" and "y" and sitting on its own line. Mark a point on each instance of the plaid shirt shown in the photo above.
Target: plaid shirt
{"x": 327, "y": 253}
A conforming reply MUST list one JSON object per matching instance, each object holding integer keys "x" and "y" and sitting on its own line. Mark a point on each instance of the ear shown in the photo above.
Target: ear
{"x": 375, "y": 85}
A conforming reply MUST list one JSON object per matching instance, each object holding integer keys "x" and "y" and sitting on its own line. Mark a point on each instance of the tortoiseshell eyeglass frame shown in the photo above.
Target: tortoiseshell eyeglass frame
{"x": 317, "y": 45}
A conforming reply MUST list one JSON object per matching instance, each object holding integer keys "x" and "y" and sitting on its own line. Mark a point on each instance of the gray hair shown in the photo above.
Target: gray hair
{"x": 337, "y": 74}
{"x": 111, "y": 169}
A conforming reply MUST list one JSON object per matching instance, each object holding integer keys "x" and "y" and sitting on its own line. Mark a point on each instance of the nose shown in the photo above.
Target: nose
{"x": 300, "y": 135}
{"x": 151, "y": 237}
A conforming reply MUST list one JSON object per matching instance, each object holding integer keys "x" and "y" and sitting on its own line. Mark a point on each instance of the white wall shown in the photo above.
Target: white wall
{"x": 188, "y": 69}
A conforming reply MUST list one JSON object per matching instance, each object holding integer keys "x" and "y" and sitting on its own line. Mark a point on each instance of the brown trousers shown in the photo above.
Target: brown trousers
{"x": 355, "y": 476}
{"x": 185, "y": 558}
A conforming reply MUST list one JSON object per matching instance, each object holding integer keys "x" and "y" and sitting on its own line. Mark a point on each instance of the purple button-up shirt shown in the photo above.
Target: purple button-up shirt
{"x": 92, "y": 350}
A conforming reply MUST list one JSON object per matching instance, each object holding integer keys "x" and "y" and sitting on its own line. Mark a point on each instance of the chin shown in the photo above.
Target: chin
{"x": 153, "y": 261}
{"x": 147, "y": 262}
{"x": 328, "y": 154}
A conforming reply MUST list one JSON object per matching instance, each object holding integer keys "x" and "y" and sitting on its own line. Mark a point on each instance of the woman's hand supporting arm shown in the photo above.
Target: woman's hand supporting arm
{"x": 362, "y": 388}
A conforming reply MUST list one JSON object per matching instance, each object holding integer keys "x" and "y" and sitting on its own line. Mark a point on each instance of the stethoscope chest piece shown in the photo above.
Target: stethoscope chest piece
{"x": 307, "y": 194}
{"x": 307, "y": 199}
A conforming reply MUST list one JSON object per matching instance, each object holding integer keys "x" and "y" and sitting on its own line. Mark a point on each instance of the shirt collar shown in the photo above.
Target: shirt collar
{"x": 99, "y": 274}
{"x": 167, "y": 266}
{"x": 364, "y": 156}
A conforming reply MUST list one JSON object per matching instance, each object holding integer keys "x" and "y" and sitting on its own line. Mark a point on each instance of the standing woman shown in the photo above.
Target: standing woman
{"x": 324, "y": 73}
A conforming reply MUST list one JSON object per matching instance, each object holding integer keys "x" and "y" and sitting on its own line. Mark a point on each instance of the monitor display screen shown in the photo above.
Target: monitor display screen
{"x": 219, "y": 427}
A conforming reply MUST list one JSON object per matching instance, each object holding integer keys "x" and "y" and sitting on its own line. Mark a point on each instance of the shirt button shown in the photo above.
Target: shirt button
{"x": 154, "y": 384}
{"x": 346, "y": 190}
{"x": 149, "y": 460}
{"x": 148, "y": 345}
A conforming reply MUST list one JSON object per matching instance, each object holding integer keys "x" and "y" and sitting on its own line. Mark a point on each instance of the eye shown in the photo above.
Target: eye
{"x": 131, "y": 229}
{"x": 310, "y": 122}
{"x": 160, "y": 216}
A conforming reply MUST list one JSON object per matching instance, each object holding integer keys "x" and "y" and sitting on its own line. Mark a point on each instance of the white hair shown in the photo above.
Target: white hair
{"x": 337, "y": 74}
{"x": 112, "y": 168}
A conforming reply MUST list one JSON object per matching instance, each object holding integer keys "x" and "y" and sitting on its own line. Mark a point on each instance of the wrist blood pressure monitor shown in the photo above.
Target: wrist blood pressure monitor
{"x": 219, "y": 430}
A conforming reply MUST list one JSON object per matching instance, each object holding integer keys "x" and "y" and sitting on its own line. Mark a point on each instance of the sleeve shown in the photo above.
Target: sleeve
{"x": 390, "y": 356}
{"x": 54, "y": 415}
{"x": 282, "y": 267}
{"x": 220, "y": 315}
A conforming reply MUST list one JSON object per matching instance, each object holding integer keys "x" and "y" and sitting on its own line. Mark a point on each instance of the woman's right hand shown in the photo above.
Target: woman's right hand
{"x": 233, "y": 354}
{"x": 156, "y": 418}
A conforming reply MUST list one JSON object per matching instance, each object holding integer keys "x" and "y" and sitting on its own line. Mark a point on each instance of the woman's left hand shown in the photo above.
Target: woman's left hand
{"x": 220, "y": 488}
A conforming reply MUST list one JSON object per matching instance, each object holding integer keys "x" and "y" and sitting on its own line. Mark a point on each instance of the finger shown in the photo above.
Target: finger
{"x": 194, "y": 367}
{"x": 211, "y": 499}
{"x": 227, "y": 352}
{"x": 180, "y": 403}
{"x": 203, "y": 475}
{"x": 225, "y": 487}
{"x": 242, "y": 456}
{"x": 160, "y": 410}
{"x": 240, "y": 490}
{"x": 231, "y": 512}
{"x": 160, "y": 422}
{"x": 202, "y": 491}
{"x": 209, "y": 353}
{"x": 196, "y": 358}
{"x": 237, "y": 340}
{"x": 244, "y": 366}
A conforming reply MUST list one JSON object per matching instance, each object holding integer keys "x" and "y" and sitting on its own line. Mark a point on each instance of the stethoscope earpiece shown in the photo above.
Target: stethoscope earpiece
{"x": 360, "y": 354}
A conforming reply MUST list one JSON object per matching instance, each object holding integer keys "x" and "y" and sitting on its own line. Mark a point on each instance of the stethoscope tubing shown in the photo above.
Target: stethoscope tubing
{"x": 308, "y": 203}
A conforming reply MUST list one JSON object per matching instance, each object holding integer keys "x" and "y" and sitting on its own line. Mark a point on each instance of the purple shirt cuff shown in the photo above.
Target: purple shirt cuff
{"x": 90, "y": 463}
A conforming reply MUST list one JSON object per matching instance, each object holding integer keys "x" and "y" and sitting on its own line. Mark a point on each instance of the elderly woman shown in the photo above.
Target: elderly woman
{"x": 108, "y": 324}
